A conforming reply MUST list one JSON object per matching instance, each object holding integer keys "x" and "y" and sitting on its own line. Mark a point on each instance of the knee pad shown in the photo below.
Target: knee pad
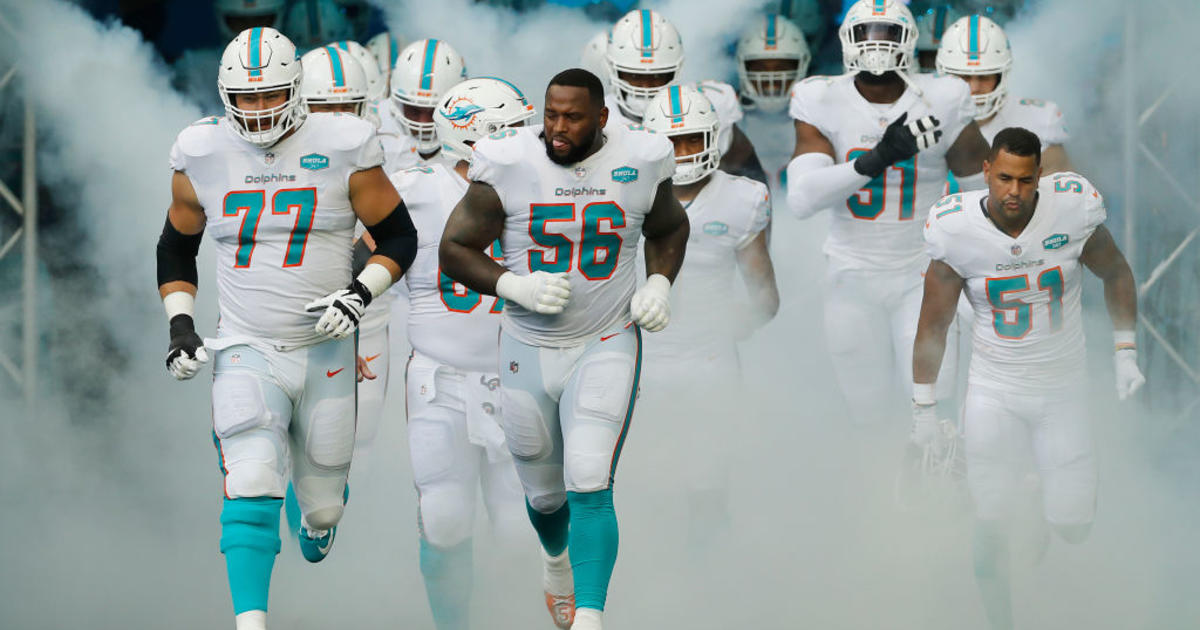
{"x": 447, "y": 514}
{"x": 253, "y": 467}
{"x": 548, "y": 502}
{"x": 524, "y": 425}
{"x": 324, "y": 518}
{"x": 1074, "y": 534}
{"x": 330, "y": 435}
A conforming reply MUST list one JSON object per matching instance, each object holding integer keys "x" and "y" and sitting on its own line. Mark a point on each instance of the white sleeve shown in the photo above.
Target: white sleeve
{"x": 962, "y": 114}
{"x": 369, "y": 154}
{"x": 482, "y": 168}
{"x": 936, "y": 242}
{"x": 760, "y": 217}
{"x": 1056, "y": 126}
{"x": 815, "y": 183}
{"x": 177, "y": 159}
{"x": 1095, "y": 212}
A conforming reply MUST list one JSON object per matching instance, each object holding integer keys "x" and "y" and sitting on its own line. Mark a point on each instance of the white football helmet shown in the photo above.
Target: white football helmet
{"x": 386, "y": 48}
{"x": 975, "y": 45}
{"x": 331, "y": 75}
{"x": 682, "y": 110}
{"x": 235, "y": 16}
{"x": 259, "y": 60}
{"x": 423, "y": 73}
{"x": 931, "y": 27}
{"x": 642, "y": 42}
{"x": 315, "y": 22}
{"x": 376, "y": 88}
{"x": 595, "y": 55}
{"x": 878, "y": 36}
{"x": 476, "y": 108}
{"x": 772, "y": 37}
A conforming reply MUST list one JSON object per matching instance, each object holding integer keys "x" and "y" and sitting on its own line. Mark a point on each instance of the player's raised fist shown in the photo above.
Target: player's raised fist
{"x": 540, "y": 292}
{"x": 187, "y": 354}
{"x": 343, "y": 310}
{"x": 651, "y": 304}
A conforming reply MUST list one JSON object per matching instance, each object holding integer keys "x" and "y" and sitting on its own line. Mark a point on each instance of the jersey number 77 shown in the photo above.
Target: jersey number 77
{"x": 253, "y": 202}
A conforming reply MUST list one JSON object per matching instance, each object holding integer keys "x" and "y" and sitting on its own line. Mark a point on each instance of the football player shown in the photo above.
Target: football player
{"x": 569, "y": 202}
{"x": 1018, "y": 249}
{"x": 280, "y": 192}
{"x": 423, "y": 72}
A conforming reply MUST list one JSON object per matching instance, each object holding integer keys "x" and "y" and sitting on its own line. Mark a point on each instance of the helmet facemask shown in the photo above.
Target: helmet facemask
{"x": 694, "y": 167}
{"x": 768, "y": 89}
{"x": 633, "y": 99}
{"x": 262, "y": 127}
{"x": 877, "y": 47}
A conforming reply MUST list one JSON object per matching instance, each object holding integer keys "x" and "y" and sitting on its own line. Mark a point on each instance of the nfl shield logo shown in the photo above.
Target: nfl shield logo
{"x": 269, "y": 158}
{"x": 513, "y": 366}
{"x": 580, "y": 172}
{"x": 1016, "y": 250}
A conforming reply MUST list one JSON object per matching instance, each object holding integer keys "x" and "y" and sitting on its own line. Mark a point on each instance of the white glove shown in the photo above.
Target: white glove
{"x": 924, "y": 413}
{"x": 1129, "y": 377}
{"x": 343, "y": 310}
{"x": 651, "y": 304}
{"x": 541, "y": 291}
{"x": 187, "y": 354}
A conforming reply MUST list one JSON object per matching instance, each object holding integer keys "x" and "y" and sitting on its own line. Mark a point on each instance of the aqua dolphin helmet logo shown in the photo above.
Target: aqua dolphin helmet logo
{"x": 461, "y": 112}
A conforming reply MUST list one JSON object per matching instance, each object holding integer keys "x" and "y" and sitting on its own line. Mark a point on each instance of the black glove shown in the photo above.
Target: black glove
{"x": 187, "y": 352}
{"x": 900, "y": 141}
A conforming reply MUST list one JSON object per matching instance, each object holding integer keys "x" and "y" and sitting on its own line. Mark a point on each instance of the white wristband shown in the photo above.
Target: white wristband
{"x": 507, "y": 286}
{"x": 659, "y": 283}
{"x": 923, "y": 394}
{"x": 1125, "y": 339}
{"x": 179, "y": 303}
{"x": 376, "y": 278}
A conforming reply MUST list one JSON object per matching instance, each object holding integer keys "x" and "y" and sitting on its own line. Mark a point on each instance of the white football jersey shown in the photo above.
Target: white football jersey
{"x": 1043, "y": 118}
{"x": 399, "y": 148}
{"x": 1028, "y": 331}
{"x": 280, "y": 218}
{"x": 879, "y": 226}
{"x": 727, "y": 214}
{"x": 584, "y": 219}
{"x": 446, "y": 321}
{"x": 723, "y": 97}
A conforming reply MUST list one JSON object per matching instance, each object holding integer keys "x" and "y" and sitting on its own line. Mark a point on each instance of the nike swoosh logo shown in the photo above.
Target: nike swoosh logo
{"x": 373, "y": 357}
{"x": 609, "y": 337}
{"x": 333, "y": 373}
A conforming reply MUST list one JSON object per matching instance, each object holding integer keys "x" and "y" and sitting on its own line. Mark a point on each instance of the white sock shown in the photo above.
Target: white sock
{"x": 587, "y": 619}
{"x": 251, "y": 620}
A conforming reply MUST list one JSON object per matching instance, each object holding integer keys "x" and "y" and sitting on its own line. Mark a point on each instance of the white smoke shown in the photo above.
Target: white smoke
{"x": 113, "y": 517}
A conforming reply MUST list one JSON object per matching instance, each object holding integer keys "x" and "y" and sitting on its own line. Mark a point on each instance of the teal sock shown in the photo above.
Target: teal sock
{"x": 992, "y": 574}
{"x": 250, "y": 541}
{"x": 593, "y": 542}
{"x": 551, "y": 528}
{"x": 448, "y": 577}
{"x": 291, "y": 508}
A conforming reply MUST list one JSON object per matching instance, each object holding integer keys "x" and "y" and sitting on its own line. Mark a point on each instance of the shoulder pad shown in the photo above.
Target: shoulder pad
{"x": 201, "y": 137}
{"x": 342, "y": 132}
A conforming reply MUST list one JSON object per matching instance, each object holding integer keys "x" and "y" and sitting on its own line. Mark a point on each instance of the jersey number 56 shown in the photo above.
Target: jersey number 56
{"x": 554, "y": 226}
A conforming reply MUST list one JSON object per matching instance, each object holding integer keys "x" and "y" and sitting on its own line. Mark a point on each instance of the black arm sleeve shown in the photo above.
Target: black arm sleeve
{"x": 177, "y": 255}
{"x": 359, "y": 256}
{"x": 396, "y": 237}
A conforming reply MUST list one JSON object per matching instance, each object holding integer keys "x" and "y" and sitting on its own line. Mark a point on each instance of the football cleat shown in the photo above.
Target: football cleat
{"x": 315, "y": 545}
{"x": 559, "y": 585}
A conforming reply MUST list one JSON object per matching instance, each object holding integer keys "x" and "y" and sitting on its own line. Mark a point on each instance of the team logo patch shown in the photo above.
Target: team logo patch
{"x": 716, "y": 228}
{"x": 624, "y": 174}
{"x": 1055, "y": 241}
{"x": 314, "y": 162}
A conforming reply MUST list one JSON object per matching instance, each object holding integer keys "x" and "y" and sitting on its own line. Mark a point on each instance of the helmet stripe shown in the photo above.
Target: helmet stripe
{"x": 254, "y": 47}
{"x": 939, "y": 23}
{"x": 335, "y": 66}
{"x": 676, "y": 106}
{"x": 973, "y": 39}
{"x": 392, "y": 46}
{"x": 520, "y": 95}
{"x": 344, "y": 45}
{"x": 427, "y": 65}
{"x": 879, "y": 8}
{"x": 771, "y": 28}
{"x": 647, "y": 34}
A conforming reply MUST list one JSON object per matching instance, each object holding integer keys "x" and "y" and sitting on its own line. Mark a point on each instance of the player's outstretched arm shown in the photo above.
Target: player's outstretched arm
{"x": 1104, "y": 258}
{"x": 754, "y": 261}
{"x": 741, "y": 159}
{"x": 666, "y": 231}
{"x": 178, "y": 277}
{"x": 942, "y": 288}
{"x": 377, "y": 204}
{"x": 965, "y": 157}
{"x": 474, "y": 224}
